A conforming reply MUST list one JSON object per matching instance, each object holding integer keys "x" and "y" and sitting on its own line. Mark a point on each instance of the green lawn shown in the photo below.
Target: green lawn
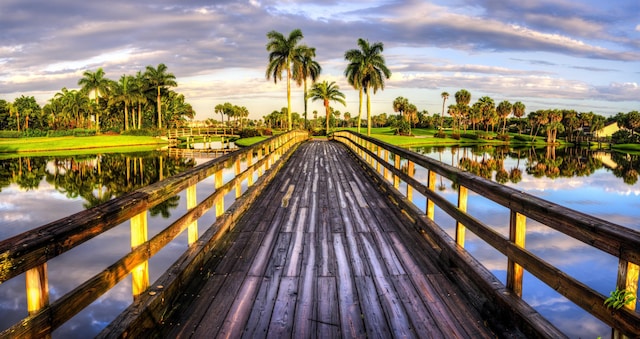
{"x": 45, "y": 144}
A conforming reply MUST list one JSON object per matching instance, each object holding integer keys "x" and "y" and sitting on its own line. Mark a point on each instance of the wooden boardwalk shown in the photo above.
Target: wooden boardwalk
{"x": 323, "y": 254}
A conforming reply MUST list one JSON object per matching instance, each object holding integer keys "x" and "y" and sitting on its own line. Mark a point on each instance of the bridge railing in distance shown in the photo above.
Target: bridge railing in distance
{"x": 384, "y": 162}
{"x": 30, "y": 251}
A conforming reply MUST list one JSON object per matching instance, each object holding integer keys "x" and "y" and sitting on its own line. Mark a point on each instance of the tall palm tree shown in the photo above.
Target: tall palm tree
{"x": 367, "y": 67}
{"x": 306, "y": 68}
{"x": 504, "y": 109}
{"x": 463, "y": 98}
{"x": 326, "y": 92}
{"x": 283, "y": 52}
{"x": 96, "y": 82}
{"x": 518, "y": 111}
{"x": 445, "y": 96}
{"x": 353, "y": 72}
{"x": 160, "y": 79}
{"x": 124, "y": 93}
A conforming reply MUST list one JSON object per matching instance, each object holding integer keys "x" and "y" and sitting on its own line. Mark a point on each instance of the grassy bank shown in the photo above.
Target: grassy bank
{"x": 44, "y": 144}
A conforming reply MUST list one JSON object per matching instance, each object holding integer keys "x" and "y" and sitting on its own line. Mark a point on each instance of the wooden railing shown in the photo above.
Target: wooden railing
{"x": 200, "y": 131}
{"x": 384, "y": 162}
{"x": 30, "y": 251}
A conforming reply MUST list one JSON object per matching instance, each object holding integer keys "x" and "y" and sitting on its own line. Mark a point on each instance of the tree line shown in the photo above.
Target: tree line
{"x": 143, "y": 100}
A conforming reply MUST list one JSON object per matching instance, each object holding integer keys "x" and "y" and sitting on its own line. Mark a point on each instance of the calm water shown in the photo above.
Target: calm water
{"x": 38, "y": 190}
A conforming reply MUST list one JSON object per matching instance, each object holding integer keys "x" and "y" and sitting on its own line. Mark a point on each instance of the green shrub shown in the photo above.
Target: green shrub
{"x": 455, "y": 136}
{"x": 440, "y": 134}
{"x": 267, "y": 131}
{"x": 521, "y": 137}
{"x": 144, "y": 132}
{"x": 503, "y": 137}
{"x": 249, "y": 133}
{"x": 470, "y": 136}
{"x": 10, "y": 134}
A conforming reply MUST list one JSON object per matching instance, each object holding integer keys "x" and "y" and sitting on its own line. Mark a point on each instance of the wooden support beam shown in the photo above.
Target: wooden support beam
{"x": 431, "y": 185}
{"x": 517, "y": 235}
{"x": 462, "y": 206}
{"x": 37, "y": 288}
{"x": 191, "y": 203}
{"x": 140, "y": 274}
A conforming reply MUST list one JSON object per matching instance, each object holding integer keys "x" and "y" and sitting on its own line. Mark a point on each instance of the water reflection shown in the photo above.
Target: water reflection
{"x": 602, "y": 184}
{"x": 37, "y": 190}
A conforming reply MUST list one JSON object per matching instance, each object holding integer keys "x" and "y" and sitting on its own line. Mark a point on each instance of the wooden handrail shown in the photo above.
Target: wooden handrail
{"x": 616, "y": 240}
{"x": 30, "y": 251}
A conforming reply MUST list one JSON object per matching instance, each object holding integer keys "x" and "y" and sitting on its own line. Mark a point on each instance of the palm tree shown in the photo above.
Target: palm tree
{"x": 96, "y": 82}
{"x": 283, "y": 54}
{"x": 160, "y": 79}
{"x": 504, "y": 109}
{"x": 367, "y": 68}
{"x": 306, "y": 68}
{"x": 444, "y": 96}
{"x": 463, "y": 98}
{"x": 124, "y": 93}
{"x": 326, "y": 92}
{"x": 518, "y": 111}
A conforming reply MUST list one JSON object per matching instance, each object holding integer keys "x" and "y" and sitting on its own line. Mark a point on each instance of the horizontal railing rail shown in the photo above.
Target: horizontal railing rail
{"x": 30, "y": 251}
{"x": 621, "y": 242}
{"x": 201, "y": 131}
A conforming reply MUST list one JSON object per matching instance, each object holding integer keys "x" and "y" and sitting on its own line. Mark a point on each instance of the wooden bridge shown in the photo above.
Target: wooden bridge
{"x": 311, "y": 247}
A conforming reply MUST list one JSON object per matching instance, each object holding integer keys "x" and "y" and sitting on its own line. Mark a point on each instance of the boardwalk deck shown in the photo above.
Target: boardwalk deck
{"x": 323, "y": 254}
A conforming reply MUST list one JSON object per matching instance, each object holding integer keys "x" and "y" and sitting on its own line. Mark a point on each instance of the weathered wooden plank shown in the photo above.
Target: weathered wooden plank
{"x": 281, "y": 325}
{"x": 258, "y": 323}
{"x": 328, "y": 325}
{"x": 351, "y": 322}
{"x": 305, "y": 311}
{"x": 372, "y": 312}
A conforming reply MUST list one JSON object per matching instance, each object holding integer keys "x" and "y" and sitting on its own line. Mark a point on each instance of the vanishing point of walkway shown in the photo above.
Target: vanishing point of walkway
{"x": 322, "y": 253}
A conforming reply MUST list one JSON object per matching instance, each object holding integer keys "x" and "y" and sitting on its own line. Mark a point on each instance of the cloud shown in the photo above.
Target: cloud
{"x": 524, "y": 50}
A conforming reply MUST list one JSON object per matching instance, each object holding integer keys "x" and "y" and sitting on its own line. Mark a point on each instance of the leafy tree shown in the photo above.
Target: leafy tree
{"x": 159, "y": 79}
{"x": 306, "y": 68}
{"x": 95, "y": 82}
{"x": 367, "y": 67}
{"x": 326, "y": 92}
{"x": 283, "y": 53}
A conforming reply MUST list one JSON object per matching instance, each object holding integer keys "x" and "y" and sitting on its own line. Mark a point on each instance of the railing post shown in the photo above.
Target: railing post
{"x": 431, "y": 184}
{"x": 249, "y": 164}
{"x": 140, "y": 274}
{"x": 192, "y": 201}
{"x": 627, "y": 280}
{"x": 238, "y": 170}
{"x": 410, "y": 170}
{"x": 385, "y": 172}
{"x": 517, "y": 235}
{"x": 396, "y": 164}
{"x": 379, "y": 152}
{"x": 220, "y": 202}
{"x": 37, "y": 288}
{"x": 462, "y": 206}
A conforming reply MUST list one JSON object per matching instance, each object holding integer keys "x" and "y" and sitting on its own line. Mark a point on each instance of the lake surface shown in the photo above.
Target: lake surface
{"x": 37, "y": 190}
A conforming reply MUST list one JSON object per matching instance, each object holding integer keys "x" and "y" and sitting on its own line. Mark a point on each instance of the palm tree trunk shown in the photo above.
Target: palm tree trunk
{"x": 290, "y": 124}
{"x": 326, "y": 108}
{"x": 359, "y": 109}
{"x": 368, "y": 111}
{"x": 159, "y": 110}
{"x": 306, "y": 126}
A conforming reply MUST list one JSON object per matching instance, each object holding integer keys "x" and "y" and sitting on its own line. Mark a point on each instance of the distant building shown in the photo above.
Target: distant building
{"x": 607, "y": 130}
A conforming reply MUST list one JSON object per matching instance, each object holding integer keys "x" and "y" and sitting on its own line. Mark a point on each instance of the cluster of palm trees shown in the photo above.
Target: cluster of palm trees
{"x": 143, "y": 100}
{"x": 239, "y": 113}
{"x": 366, "y": 72}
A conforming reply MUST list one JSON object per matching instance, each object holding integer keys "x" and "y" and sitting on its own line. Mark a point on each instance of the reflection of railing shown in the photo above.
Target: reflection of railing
{"x": 620, "y": 242}
{"x": 30, "y": 251}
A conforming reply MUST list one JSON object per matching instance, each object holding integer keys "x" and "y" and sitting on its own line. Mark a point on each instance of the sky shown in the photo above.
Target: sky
{"x": 567, "y": 54}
